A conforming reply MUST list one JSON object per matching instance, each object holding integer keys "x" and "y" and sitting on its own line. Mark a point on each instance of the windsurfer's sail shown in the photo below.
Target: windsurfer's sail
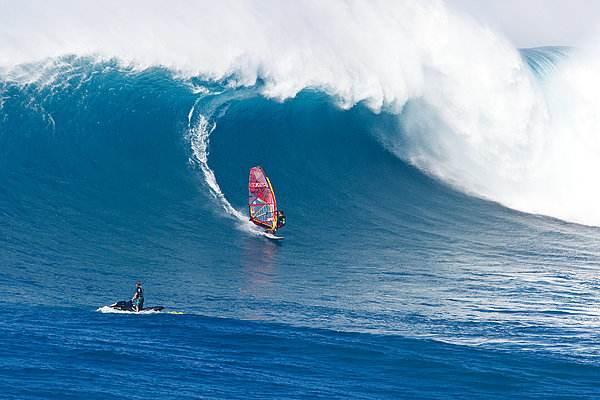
{"x": 261, "y": 200}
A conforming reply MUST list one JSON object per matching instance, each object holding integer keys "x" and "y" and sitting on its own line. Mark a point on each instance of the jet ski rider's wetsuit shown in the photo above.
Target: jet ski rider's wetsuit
{"x": 138, "y": 297}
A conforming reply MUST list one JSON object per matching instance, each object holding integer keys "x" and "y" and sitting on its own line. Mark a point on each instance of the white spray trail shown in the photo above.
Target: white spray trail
{"x": 199, "y": 139}
{"x": 199, "y": 130}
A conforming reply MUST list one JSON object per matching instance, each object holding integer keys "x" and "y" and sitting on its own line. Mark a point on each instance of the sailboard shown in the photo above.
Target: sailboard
{"x": 262, "y": 204}
{"x": 271, "y": 236}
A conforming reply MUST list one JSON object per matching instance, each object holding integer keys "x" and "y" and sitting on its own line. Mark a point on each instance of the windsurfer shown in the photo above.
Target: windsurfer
{"x": 280, "y": 219}
{"x": 261, "y": 202}
{"x": 280, "y": 222}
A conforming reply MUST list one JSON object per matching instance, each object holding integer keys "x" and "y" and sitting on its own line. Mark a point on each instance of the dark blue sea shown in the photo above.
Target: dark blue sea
{"x": 391, "y": 283}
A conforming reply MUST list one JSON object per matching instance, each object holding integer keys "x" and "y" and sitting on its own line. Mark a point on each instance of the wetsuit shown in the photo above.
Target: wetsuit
{"x": 280, "y": 219}
{"x": 138, "y": 298}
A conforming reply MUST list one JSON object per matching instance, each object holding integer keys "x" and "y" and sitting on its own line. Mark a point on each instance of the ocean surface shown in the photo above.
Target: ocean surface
{"x": 401, "y": 275}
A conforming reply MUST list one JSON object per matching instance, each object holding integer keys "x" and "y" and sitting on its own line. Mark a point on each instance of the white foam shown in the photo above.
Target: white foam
{"x": 199, "y": 134}
{"x": 356, "y": 51}
{"x": 199, "y": 139}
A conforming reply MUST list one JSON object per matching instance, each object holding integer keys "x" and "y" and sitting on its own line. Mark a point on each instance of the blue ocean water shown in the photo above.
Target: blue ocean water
{"x": 389, "y": 283}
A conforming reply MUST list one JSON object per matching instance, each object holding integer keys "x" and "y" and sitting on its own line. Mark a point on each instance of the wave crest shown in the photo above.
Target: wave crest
{"x": 471, "y": 111}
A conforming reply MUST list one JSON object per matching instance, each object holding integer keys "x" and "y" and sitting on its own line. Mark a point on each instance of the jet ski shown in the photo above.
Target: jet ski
{"x": 127, "y": 305}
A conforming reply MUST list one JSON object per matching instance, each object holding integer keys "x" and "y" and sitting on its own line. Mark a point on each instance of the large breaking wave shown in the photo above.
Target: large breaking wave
{"x": 449, "y": 96}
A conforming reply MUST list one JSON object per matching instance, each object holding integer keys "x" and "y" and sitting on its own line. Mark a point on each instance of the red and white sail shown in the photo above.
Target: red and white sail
{"x": 261, "y": 199}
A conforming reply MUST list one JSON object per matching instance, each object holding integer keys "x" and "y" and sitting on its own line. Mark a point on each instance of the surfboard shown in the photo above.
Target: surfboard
{"x": 271, "y": 236}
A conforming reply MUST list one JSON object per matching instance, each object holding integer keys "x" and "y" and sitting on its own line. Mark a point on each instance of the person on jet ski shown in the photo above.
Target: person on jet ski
{"x": 138, "y": 297}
